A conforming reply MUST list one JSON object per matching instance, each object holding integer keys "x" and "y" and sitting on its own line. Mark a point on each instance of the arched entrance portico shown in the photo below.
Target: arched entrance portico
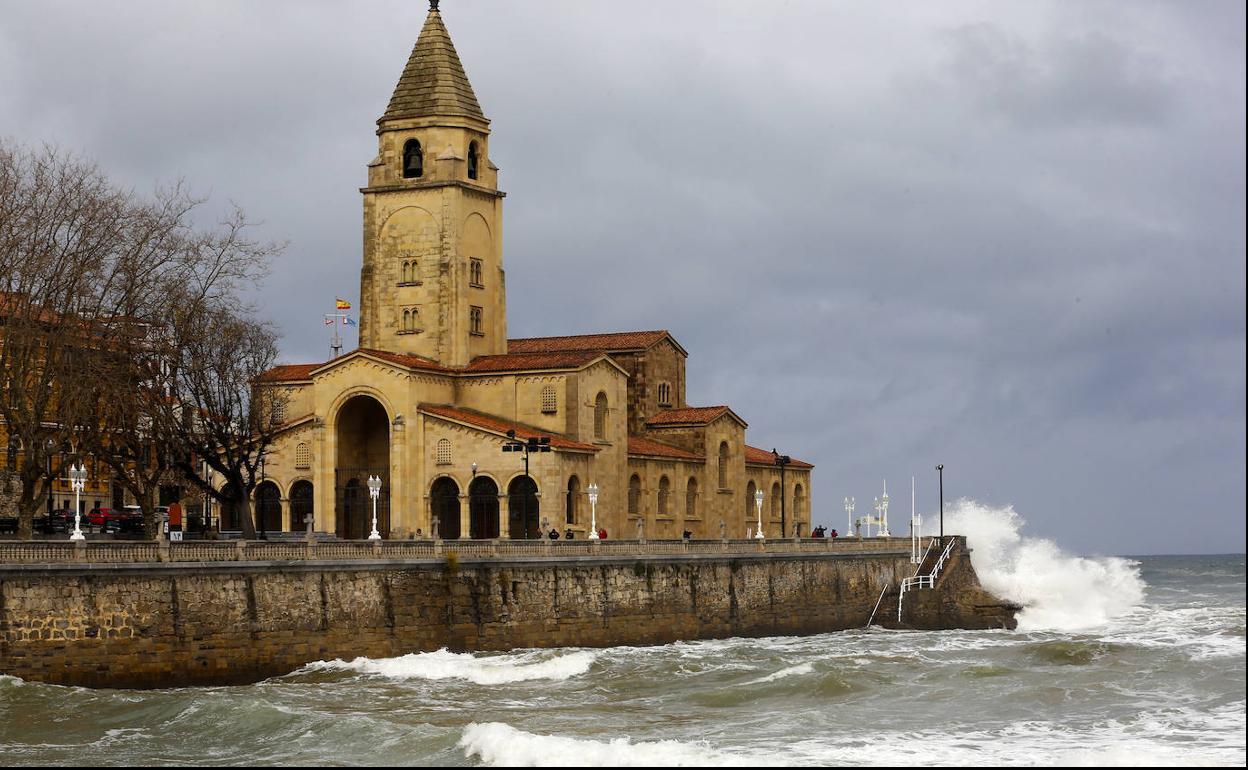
{"x": 483, "y": 508}
{"x": 444, "y": 505}
{"x": 363, "y": 443}
{"x": 523, "y": 509}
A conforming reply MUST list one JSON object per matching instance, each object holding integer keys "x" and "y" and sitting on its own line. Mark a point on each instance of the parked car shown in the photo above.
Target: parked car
{"x": 128, "y": 520}
{"x": 97, "y": 516}
{"x": 59, "y": 521}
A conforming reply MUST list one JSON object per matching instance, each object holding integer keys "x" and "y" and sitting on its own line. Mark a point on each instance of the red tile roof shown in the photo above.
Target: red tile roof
{"x": 756, "y": 456}
{"x": 638, "y": 445}
{"x": 500, "y": 425}
{"x": 404, "y": 359}
{"x": 692, "y": 415}
{"x": 514, "y": 362}
{"x": 289, "y": 373}
{"x": 603, "y": 342}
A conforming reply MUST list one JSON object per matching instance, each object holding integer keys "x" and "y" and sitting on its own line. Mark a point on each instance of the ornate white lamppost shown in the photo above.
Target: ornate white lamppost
{"x": 593, "y": 511}
{"x": 374, "y": 491}
{"x": 758, "y": 502}
{"x": 78, "y": 479}
{"x": 849, "y": 516}
{"x": 882, "y": 514}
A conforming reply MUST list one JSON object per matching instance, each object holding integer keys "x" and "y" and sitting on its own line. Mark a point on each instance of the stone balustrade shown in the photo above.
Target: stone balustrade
{"x": 200, "y": 551}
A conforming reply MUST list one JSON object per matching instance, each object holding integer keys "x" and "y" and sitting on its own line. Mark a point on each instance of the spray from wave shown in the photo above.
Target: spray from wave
{"x": 483, "y": 670}
{"x": 1059, "y": 591}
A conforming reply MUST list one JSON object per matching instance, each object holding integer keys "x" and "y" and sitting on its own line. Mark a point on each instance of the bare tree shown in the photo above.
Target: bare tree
{"x": 216, "y": 411}
{"x": 97, "y": 286}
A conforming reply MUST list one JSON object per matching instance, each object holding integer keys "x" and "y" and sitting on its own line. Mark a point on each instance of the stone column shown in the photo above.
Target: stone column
{"x": 465, "y": 518}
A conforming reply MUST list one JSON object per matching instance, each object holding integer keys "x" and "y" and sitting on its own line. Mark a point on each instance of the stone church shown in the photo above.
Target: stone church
{"x": 437, "y": 401}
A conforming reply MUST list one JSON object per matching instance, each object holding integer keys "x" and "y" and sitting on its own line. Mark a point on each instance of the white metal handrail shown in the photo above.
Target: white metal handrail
{"x": 924, "y": 581}
{"x": 871, "y": 619}
{"x": 943, "y": 558}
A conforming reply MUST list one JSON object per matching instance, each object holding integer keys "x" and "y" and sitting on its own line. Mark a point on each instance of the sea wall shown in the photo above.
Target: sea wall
{"x": 177, "y": 624}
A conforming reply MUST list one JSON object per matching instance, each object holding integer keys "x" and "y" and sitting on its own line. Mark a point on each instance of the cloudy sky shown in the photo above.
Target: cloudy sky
{"x": 1004, "y": 236}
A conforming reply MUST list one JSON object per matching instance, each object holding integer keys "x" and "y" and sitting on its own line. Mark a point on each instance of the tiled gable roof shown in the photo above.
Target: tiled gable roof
{"x": 604, "y": 342}
{"x": 692, "y": 415}
{"x": 409, "y": 360}
{"x": 756, "y": 456}
{"x": 289, "y": 373}
{"x": 501, "y": 425}
{"x": 434, "y": 82}
{"x": 513, "y": 362}
{"x": 638, "y": 445}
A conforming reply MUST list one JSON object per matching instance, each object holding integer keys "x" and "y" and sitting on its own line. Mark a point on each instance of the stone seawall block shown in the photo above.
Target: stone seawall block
{"x": 166, "y": 625}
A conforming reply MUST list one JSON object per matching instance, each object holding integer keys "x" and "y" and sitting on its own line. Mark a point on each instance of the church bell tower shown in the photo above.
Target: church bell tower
{"x": 432, "y": 279}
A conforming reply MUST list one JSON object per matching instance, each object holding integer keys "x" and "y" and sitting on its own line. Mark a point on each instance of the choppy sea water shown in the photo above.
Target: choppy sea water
{"x": 1118, "y": 661}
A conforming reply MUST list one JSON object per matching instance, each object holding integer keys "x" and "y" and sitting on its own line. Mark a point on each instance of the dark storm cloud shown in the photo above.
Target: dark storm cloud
{"x": 1005, "y": 237}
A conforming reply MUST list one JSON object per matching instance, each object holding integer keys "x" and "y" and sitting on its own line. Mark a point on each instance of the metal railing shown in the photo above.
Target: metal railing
{"x": 120, "y": 552}
{"x": 924, "y": 581}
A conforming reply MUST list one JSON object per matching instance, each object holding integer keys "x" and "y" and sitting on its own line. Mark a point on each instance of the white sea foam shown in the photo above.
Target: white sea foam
{"x": 1059, "y": 591}
{"x": 484, "y": 670}
{"x": 798, "y": 670}
{"x": 501, "y": 745}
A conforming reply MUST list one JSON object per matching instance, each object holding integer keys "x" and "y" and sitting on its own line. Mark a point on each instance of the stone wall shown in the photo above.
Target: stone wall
{"x": 163, "y": 625}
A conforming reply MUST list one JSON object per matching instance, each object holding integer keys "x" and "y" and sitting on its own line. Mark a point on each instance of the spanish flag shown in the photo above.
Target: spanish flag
{"x": 341, "y": 304}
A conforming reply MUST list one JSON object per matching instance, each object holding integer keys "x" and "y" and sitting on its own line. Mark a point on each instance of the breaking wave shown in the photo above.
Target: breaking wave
{"x": 1058, "y": 591}
{"x": 501, "y": 745}
{"x": 478, "y": 669}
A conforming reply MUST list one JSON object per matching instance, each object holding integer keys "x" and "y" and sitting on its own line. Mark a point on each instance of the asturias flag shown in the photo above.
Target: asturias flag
{"x": 341, "y": 304}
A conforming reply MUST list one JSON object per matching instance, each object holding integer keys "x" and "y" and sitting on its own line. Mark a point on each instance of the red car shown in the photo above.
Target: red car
{"x": 96, "y": 517}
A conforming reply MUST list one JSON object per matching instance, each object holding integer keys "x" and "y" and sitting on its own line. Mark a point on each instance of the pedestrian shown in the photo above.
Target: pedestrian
{"x": 567, "y": 535}
{"x": 688, "y": 535}
{"x": 834, "y": 534}
{"x": 602, "y": 533}
{"x": 554, "y": 534}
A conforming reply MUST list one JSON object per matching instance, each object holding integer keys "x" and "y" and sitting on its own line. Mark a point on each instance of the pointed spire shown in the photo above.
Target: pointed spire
{"x": 433, "y": 83}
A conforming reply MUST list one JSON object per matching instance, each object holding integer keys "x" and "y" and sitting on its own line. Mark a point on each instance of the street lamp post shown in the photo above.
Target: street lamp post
{"x": 940, "y": 470}
{"x": 782, "y": 461}
{"x": 849, "y": 516}
{"x": 758, "y": 502}
{"x": 531, "y": 444}
{"x": 593, "y": 511}
{"x": 374, "y": 491}
{"x": 78, "y": 478}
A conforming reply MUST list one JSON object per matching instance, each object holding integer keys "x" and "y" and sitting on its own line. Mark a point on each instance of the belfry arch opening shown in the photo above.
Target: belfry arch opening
{"x": 363, "y": 439}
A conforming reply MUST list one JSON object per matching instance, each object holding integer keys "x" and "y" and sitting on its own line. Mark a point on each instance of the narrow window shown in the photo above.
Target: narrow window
{"x": 665, "y": 394}
{"x": 691, "y": 499}
{"x": 474, "y": 320}
{"x": 303, "y": 456}
{"x": 574, "y": 500}
{"x": 634, "y": 494}
{"x": 472, "y": 160}
{"x": 665, "y": 488}
{"x": 723, "y": 465}
{"x": 600, "y": 416}
{"x": 550, "y": 403}
{"x": 444, "y": 452}
{"x": 474, "y": 275}
{"x": 775, "y": 500}
{"x": 413, "y": 160}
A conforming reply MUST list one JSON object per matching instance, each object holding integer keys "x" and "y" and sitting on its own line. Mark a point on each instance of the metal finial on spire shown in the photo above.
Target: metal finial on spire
{"x": 433, "y": 5}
